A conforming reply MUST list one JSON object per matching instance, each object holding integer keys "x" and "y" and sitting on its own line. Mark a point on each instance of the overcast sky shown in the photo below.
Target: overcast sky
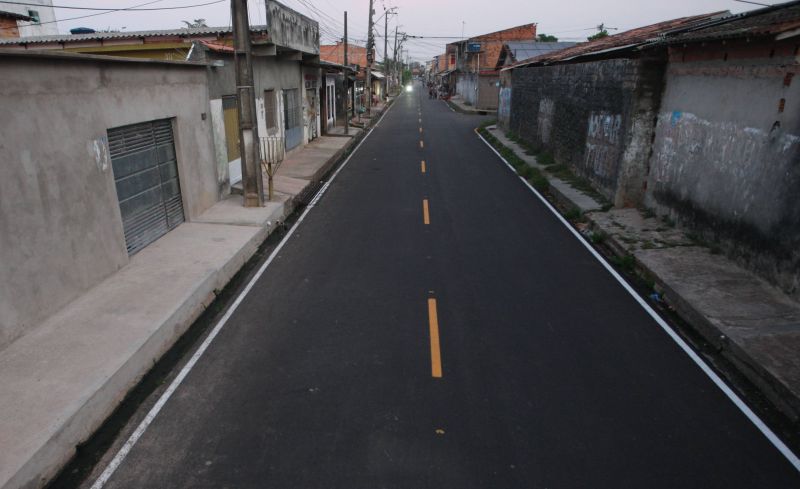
{"x": 567, "y": 19}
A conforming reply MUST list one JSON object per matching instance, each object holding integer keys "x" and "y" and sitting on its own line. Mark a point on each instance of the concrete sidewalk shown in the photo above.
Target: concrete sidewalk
{"x": 61, "y": 380}
{"x": 460, "y": 105}
{"x": 753, "y": 324}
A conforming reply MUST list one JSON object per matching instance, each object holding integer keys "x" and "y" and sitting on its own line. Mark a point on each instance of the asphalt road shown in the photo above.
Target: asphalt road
{"x": 551, "y": 374}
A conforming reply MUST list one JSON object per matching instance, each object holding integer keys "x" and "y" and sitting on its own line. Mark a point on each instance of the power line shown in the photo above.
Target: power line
{"x": 110, "y": 10}
{"x": 101, "y": 13}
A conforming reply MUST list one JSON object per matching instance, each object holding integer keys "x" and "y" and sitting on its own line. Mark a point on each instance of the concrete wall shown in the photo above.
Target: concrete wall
{"x": 488, "y": 92}
{"x": 726, "y": 154}
{"x": 465, "y": 87}
{"x": 597, "y": 117}
{"x": 291, "y": 29}
{"x": 60, "y": 225}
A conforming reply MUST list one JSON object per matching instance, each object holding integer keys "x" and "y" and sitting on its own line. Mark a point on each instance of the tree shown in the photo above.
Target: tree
{"x": 195, "y": 23}
{"x": 599, "y": 35}
{"x": 546, "y": 38}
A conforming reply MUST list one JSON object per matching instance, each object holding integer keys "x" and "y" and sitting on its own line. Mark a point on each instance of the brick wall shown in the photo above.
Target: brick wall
{"x": 597, "y": 117}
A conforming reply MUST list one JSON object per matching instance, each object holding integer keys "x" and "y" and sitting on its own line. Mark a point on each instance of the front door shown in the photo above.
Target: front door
{"x": 330, "y": 102}
{"x": 291, "y": 118}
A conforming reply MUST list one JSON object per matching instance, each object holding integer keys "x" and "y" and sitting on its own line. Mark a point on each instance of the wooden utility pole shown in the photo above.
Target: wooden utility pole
{"x": 347, "y": 82}
{"x": 248, "y": 130}
{"x": 386, "y": 54}
{"x": 370, "y": 44}
{"x": 394, "y": 61}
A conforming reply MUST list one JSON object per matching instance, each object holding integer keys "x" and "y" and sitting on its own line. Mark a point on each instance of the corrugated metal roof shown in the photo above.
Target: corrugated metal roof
{"x": 99, "y": 36}
{"x": 530, "y": 49}
{"x": 765, "y": 22}
{"x": 624, "y": 40}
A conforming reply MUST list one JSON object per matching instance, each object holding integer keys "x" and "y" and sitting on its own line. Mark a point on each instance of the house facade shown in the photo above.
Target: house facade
{"x": 477, "y": 64}
{"x": 115, "y": 155}
{"x": 29, "y": 18}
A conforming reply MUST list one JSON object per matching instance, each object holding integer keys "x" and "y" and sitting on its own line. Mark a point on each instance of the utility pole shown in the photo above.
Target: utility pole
{"x": 394, "y": 60}
{"x": 370, "y": 44}
{"x": 346, "y": 81}
{"x": 248, "y": 130}
{"x": 386, "y": 54}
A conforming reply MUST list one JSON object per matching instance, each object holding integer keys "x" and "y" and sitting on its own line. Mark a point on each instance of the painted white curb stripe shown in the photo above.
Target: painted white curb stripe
{"x": 139, "y": 431}
{"x": 771, "y": 436}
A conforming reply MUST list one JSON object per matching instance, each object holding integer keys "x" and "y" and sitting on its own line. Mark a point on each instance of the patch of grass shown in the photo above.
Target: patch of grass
{"x": 598, "y": 237}
{"x": 573, "y": 214}
{"x": 648, "y": 245}
{"x": 539, "y": 181}
{"x": 487, "y": 123}
{"x": 546, "y": 159}
{"x": 625, "y": 262}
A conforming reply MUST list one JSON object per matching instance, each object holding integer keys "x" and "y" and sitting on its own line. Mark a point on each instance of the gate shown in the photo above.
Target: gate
{"x": 146, "y": 177}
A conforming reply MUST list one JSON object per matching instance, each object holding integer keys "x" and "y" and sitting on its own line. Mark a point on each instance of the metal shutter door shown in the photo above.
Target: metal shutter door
{"x": 146, "y": 177}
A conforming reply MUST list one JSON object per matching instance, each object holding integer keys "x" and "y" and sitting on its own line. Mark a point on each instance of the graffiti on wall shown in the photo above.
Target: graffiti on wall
{"x": 603, "y": 146}
{"x": 547, "y": 110}
{"x": 722, "y": 166}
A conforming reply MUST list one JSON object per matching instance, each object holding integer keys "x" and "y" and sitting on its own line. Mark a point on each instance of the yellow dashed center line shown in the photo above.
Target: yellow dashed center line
{"x": 422, "y": 166}
{"x": 420, "y": 130}
{"x": 436, "y": 354}
{"x": 426, "y": 217}
{"x": 421, "y": 144}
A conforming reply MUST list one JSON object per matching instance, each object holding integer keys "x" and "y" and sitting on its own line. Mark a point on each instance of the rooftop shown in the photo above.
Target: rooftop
{"x": 530, "y": 49}
{"x": 101, "y": 36}
{"x": 779, "y": 20}
{"x": 624, "y": 40}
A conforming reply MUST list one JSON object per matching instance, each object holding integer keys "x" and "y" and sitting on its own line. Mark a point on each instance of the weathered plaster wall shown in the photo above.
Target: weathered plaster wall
{"x": 60, "y": 225}
{"x": 291, "y": 29}
{"x": 465, "y": 87}
{"x": 726, "y": 156}
{"x": 597, "y": 117}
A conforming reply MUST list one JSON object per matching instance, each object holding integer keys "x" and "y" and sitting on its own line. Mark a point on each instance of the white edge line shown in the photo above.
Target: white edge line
{"x": 753, "y": 417}
{"x": 145, "y": 423}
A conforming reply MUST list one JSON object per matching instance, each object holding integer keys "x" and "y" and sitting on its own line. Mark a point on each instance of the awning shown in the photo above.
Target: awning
{"x": 378, "y": 75}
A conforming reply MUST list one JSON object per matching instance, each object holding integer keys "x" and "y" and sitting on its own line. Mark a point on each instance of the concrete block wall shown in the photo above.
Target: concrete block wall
{"x": 597, "y": 117}
{"x": 60, "y": 225}
{"x": 726, "y": 153}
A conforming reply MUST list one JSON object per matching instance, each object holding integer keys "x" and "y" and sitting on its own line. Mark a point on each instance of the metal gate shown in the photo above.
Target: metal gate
{"x": 146, "y": 177}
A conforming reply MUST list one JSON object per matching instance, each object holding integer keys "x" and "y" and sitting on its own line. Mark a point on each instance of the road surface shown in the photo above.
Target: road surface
{"x": 433, "y": 325}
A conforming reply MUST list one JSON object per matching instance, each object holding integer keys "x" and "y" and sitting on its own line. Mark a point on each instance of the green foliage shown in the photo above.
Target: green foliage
{"x": 625, "y": 262}
{"x": 546, "y": 38}
{"x": 546, "y": 159}
{"x": 573, "y": 214}
{"x": 599, "y": 35}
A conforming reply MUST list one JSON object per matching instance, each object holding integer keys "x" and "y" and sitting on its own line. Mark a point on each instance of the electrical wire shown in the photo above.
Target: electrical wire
{"x": 110, "y": 10}
{"x": 97, "y": 14}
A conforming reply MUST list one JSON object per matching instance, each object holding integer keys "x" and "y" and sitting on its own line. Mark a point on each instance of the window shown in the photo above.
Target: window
{"x": 269, "y": 110}
{"x": 34, "y": 15}
{"x": 291, "y": 108}
{"x": 230, "y": 115}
